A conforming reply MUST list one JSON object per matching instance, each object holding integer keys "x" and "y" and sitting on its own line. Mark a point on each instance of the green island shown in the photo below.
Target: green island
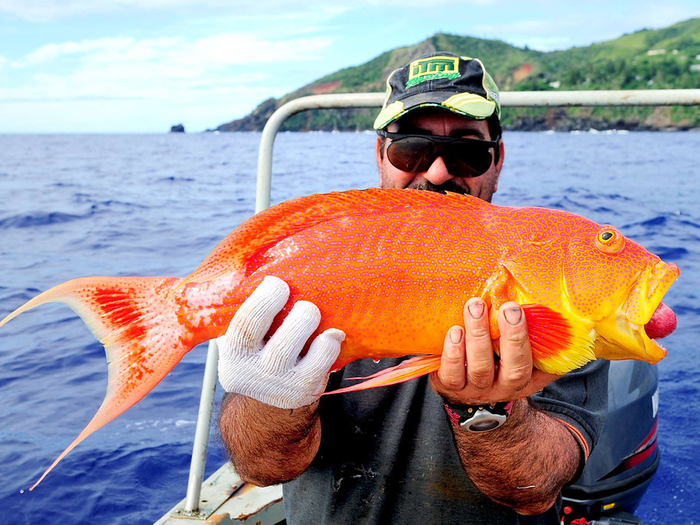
{"x": 667, "y": 58}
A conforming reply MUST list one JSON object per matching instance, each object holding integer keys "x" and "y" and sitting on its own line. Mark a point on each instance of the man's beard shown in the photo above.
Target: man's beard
{"x": 449, "y": 185}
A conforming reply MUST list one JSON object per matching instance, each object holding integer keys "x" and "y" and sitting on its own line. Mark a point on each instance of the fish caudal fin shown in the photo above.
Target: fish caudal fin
{"x": 135, "y": 318}
{"x": 410, "y": 369}
{"x": 559, "y": 344}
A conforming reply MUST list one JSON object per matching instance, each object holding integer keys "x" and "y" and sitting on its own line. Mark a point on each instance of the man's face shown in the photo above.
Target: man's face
{"x": 437, "y": 177}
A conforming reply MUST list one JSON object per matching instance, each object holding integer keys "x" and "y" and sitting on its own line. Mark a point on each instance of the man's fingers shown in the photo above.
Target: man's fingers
{"x": 321, "y": 355}
{"x": 282, "y": 351}
{"x": 479, "y": 348}
{"x": 451, "y": 372}
{"x": 515, "y": 366}
{"x": 253, "y": 319}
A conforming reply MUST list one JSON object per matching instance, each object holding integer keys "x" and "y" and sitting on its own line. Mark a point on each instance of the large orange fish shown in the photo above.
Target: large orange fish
{"x": 392, "y": 269}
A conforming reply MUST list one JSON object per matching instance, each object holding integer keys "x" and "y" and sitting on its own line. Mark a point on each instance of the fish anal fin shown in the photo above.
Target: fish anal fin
{"x": 559, "y": 343}
{"x": 405, "y": 371}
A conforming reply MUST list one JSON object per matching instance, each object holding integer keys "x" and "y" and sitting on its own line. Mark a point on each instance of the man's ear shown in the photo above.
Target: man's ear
{"x": 380, "y": 158}
{"x": 499, "y": 164}
{"x": 501, "y": 154}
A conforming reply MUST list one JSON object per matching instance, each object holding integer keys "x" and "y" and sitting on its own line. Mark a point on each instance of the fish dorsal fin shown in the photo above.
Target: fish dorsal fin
{"x": 283, "y": 220}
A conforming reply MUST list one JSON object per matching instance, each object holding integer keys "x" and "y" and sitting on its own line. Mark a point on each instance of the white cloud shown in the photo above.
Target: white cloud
{"x": 54, "y": 51}
{"x": 175, "y": 69}
{"x": 51, "y": 10}
{"x": 48, "y": 10}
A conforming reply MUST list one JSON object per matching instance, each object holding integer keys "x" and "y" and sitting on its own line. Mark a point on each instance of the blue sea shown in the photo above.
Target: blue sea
{"x": 78, "y": 205}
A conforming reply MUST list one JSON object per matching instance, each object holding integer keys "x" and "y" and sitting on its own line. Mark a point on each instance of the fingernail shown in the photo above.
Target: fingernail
{"x": 513, "y": 315}
{"x": 476, "y": 309}
{"x": 456, "y": 335}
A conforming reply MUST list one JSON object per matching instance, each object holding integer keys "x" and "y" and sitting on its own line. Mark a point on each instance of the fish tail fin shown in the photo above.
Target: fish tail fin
{"x": 559, "y": 343}
{"x": 144, "y": 330}
{"x": 405, "y": 371}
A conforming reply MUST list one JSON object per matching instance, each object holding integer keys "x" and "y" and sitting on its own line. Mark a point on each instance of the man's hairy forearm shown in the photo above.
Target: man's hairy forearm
{"x": 525, "y": 463}
{"x": 269, "y": 445}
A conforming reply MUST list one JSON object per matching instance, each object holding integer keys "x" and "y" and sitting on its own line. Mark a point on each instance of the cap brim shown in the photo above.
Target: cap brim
{"x": 465, "y": 104}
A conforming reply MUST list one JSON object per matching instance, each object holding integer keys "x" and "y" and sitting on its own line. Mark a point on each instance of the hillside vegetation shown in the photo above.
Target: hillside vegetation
{"x": 647, "y": 59}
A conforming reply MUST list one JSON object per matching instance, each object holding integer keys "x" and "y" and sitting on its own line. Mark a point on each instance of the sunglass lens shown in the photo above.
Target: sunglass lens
{"x": 411, "y": 154}
{"x": 464, "y": 160}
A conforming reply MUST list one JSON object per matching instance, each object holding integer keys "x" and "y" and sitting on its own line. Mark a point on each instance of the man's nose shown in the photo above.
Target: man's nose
{"x": 438, "y": 173}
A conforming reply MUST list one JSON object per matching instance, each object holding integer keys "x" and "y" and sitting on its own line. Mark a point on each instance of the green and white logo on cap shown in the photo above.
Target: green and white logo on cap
{"x": 432, "y": 68}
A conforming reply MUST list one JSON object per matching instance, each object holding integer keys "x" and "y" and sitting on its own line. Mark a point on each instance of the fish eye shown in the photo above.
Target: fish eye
{"x": 609, "y": 240}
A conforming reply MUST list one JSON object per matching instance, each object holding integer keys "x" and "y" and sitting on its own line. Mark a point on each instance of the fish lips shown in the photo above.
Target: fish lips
{"x": 650, "y": 287}
{"x": 623, "y": 335}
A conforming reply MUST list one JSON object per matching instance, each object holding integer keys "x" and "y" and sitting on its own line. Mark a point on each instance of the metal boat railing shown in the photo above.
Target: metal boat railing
{"x": 659, "y": 97}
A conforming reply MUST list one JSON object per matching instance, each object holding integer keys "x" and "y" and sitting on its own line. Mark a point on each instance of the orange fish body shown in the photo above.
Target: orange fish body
{"x": 392, "y": 269}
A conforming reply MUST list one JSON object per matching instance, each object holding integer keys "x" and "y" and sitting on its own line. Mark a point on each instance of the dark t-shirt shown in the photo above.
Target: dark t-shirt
{"x": 388, "y": 455}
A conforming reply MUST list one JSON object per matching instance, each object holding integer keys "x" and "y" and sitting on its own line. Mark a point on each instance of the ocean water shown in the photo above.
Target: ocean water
{"x": 76, "y": 205}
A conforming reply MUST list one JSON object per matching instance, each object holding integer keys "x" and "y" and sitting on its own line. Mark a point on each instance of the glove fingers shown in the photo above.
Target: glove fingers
{"x": 282, "y": 350}
{"x": 253, "y": 319}
{"x": 323, "y": 352}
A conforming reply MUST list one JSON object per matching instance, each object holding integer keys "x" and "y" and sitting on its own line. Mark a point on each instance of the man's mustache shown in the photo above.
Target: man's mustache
{"x": 449, "y": 185}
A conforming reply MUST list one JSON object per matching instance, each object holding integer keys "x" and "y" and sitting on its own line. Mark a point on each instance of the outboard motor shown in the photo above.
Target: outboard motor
{"x": 622, "y": 465}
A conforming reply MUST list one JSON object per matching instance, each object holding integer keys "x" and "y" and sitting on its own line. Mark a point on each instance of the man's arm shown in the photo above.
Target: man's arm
{"x": 269, "y": 445}
{"x": 269, "y": 419}
{"x": 525, "y": 463}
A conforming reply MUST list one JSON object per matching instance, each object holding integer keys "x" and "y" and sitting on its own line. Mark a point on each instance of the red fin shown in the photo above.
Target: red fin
{"x": 135, "y": 320}
{"x": 410, "y": 369}
{"x": 559, "y": 345}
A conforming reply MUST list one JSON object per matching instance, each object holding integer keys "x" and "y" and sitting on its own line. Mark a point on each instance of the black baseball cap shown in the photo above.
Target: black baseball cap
{"x": 441, "y": 79}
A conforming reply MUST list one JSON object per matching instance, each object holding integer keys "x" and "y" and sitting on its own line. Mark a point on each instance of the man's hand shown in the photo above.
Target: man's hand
{"x": 272, "y": 372}
{"x": 470, "y": 375}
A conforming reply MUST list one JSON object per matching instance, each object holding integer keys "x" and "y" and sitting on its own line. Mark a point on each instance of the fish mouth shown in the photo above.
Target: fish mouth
{"x": 651, "y": 287}
{"x": 622, "y": 335}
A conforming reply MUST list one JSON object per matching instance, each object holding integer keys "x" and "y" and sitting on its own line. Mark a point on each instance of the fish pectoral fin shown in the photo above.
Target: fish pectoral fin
{"x": 410, "y": 369}
{"x": 500, "y": 288}
{"x": 559, "y": 343}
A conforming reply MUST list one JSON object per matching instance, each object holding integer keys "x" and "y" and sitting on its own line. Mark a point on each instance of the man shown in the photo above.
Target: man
{"x": 473, "y": 443}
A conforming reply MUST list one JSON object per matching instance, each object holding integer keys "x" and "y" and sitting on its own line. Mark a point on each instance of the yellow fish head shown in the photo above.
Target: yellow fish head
{"x": 618, "y": 285}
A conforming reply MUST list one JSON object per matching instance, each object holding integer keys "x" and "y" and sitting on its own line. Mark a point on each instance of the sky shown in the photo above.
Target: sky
{"x": 140, "y": 66}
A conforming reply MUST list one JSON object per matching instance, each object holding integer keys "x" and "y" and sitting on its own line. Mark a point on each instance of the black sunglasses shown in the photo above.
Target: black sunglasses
{"x": 415, "y": 153}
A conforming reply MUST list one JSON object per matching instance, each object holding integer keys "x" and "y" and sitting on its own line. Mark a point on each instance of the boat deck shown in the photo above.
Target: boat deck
{"x": 226, "y": 499}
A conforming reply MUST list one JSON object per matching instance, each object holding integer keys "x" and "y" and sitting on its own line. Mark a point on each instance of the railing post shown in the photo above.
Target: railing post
{"x": 201, "y": 436}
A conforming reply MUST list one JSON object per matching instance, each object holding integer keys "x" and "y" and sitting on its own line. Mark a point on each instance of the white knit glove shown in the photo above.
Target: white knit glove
{"x": 273, "y": 373}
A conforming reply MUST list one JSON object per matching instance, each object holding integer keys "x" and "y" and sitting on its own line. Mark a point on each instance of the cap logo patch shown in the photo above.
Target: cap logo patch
{"x": 432, "y": 68}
